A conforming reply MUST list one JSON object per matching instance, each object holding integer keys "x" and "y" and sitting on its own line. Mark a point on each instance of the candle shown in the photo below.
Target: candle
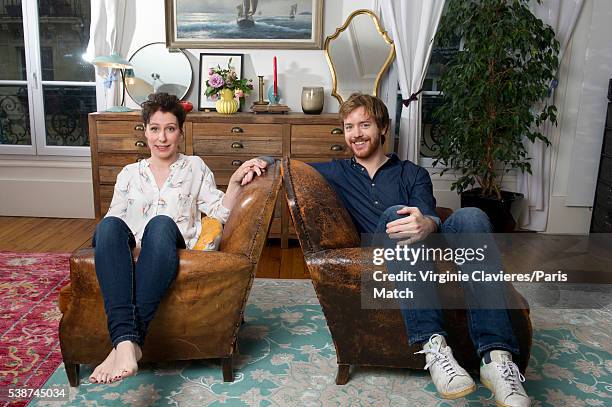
{"x": 275, "y": 79}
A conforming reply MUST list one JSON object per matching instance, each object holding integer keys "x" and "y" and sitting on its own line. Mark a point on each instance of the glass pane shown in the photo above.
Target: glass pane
{"x": 64, "y": 34}
{"x": 429, "y": 142}
{"x": 66, "y": 109}
{"x": 14, "y": 116}
{"x": 12, "y": 62}
{"x": 437, "y": 65}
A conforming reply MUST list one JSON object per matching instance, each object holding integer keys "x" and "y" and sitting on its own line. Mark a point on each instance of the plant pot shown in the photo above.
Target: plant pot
{"x": 227, "y": 104}
{"x": 498, "y": 211}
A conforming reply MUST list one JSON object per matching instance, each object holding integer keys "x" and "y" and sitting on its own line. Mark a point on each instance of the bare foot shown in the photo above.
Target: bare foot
{"x": 104, "y": 369}
{"x": 126, "y": 360}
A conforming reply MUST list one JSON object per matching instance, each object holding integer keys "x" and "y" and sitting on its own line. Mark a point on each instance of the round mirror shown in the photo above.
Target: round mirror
{"x": 155, "y": 69}
{"x": 358, "y": 54}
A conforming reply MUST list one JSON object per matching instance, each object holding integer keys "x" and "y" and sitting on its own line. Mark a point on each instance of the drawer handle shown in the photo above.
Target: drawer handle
{"x": 237, "y": 144}
{"x": 236, "y": 163}
{"x": 140, "y": 143}
{"x": 237, "y": 130}
{"x": 139, "y": 127}
{"x": 337, "y": 147}
{"x": 337, "y": 130}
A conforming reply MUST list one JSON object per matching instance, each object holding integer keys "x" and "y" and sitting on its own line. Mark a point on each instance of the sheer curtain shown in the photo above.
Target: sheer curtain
{"x": 106, "y": 37}
{"x": 412, "y": 26}
{"x": 562, "y": 17}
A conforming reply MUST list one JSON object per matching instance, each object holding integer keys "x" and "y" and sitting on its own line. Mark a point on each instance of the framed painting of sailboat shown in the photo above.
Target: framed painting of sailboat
{"x": 288, "y": 24}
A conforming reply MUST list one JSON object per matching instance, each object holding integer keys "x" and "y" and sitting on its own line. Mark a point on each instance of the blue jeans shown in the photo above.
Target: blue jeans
{"x": 132, "y": 294}
{"x": 489, "y": 328}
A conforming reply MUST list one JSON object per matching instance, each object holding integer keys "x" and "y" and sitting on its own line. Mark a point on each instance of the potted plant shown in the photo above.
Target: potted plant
{"x": 224, "y": 86}
{"x": 495, "y": 94}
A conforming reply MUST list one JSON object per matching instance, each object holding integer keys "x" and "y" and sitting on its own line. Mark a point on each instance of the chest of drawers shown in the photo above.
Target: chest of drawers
{"x": 223, "y": 142}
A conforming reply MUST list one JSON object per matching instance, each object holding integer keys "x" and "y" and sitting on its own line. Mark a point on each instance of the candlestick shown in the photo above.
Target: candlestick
{"x": 275, "y": 79}
{"x": 261, "y": 100}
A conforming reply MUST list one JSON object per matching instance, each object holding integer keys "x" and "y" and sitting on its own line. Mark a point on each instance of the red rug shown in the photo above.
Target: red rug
{"x": 29, "y": 289}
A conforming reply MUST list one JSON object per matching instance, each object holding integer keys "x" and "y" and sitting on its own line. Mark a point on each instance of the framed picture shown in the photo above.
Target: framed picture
{"x": 208, "y": 61}
{"x": 290, "y": 24}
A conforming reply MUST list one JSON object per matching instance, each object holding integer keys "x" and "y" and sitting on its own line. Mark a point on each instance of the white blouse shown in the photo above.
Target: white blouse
{"x": 189, "y": 190}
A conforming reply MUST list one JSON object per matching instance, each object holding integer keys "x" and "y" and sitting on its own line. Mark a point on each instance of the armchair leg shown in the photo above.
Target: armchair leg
{"x": 226, "y": 366}
{"x": 72, "y": 371}
{"x": 342, "y": 376}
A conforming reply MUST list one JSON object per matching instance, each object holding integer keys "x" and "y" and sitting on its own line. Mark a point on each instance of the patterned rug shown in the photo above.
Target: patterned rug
{"x": 29, "y": 287}
{"x": 287, "y": 358}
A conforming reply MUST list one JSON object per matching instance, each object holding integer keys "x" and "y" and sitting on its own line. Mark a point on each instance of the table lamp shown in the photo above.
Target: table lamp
{"x": 114, "y": 61}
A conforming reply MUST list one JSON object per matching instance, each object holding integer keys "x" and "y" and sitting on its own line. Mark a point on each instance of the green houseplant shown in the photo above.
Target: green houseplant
{"x": 495, "y": 95}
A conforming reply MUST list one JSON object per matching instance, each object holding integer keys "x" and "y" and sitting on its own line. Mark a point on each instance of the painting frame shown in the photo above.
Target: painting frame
{"x": 211, "y": 60}
{"x": 173, "y": 40}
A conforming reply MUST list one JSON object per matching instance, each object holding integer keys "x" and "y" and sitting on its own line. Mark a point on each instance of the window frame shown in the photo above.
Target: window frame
{"x": 34, "y": 85}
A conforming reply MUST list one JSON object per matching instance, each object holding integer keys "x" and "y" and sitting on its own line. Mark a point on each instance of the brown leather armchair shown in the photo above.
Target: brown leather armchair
{"x": 335, "y": 260}
{"x": 201, "y": 313}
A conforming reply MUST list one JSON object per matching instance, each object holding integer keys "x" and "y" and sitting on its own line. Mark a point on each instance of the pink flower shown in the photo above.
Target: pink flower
{"x": 239, "y": 93}
{"x": 210, "y": 71}
{"x": 216, "y": 81}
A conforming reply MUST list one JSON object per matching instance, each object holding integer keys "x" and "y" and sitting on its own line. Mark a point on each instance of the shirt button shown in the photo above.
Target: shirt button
{"x": 375, "y": 202}
{"x": 373, "y": 184}
{"x": 362, "y": 169}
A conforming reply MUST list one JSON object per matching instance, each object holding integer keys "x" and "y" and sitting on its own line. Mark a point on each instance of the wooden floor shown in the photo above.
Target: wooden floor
{"x": 21, "y": 234}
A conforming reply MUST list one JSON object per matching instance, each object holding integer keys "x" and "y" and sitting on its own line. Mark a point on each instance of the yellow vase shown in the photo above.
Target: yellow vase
{"x": 227, "y": 104}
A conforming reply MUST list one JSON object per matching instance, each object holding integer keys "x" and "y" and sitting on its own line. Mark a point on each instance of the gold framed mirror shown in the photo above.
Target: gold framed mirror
{"x": 358, "y": 55}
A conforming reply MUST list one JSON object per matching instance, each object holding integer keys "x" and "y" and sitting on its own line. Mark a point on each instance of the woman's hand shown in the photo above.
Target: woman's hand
{"x": 248, "y": 170}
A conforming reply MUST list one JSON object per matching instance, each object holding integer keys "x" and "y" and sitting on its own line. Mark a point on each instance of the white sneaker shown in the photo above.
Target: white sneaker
{"x": 450, "y": 379}
{"x": 504, "y": 379}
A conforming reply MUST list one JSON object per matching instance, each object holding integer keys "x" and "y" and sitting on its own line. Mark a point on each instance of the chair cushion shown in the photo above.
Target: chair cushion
{"x": 210, "y": 236}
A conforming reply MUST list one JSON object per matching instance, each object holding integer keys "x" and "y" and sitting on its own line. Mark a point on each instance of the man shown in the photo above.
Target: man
{"x": 384, "y": 194}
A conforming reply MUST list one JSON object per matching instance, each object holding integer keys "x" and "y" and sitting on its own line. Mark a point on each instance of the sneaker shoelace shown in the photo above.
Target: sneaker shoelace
{"x": 511, "y": 375}
{"x": 440, "y": 357}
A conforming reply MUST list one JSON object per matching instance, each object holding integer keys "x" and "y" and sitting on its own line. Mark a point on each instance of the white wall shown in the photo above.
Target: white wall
{"x": 583, "y": 84}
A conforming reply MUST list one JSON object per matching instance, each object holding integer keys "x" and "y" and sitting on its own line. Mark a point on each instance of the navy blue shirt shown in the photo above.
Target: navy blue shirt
{"x": 397, "y": 182}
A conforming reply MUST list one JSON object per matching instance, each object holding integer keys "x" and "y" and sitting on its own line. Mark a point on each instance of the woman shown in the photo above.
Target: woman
{"x": 157, "y": 205}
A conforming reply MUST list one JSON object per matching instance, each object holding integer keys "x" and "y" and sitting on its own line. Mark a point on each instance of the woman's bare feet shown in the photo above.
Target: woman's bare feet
{"x": 127, "y": 355}
{"x": 102, "y": 372}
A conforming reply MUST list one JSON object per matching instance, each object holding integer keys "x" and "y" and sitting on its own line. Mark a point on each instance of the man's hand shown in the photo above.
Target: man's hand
{"x": 411, "y": 229}
{"x": 248, "y": 170}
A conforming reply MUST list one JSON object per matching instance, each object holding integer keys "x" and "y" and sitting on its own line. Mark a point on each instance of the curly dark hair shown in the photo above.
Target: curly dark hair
{"x": 373, "y": 106}
{"x": 165, "y": 103}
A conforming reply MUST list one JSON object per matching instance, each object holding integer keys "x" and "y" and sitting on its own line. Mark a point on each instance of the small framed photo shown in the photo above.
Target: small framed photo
{"x": 211, "y": 63}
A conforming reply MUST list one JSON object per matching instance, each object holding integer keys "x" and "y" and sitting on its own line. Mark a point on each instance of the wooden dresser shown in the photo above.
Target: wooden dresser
{"x": 223, "y": 142}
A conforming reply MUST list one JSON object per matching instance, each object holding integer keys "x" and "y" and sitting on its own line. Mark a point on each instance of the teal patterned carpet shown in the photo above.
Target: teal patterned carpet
{"x": 287, "y": 358}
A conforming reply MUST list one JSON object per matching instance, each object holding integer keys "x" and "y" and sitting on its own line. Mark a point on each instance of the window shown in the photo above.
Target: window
{"x": 432, "y": 97}
{"x": 46, "y": 88}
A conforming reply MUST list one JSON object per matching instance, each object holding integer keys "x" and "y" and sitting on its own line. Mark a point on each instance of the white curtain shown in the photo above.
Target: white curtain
{"x": 561, "y": 15}
{"x": 105, "y": 38}
{"x": 412, "y": 26}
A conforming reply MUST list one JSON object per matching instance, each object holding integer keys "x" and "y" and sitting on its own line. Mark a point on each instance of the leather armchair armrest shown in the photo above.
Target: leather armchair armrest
{"x": 345, "y": 266}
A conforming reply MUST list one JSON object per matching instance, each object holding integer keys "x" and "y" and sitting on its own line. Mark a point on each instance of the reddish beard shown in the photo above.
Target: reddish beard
{"x": 372, "y": 146}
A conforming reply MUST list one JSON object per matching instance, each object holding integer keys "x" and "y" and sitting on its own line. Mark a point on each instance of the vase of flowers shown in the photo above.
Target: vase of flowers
{"x": 224, "y": 86}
